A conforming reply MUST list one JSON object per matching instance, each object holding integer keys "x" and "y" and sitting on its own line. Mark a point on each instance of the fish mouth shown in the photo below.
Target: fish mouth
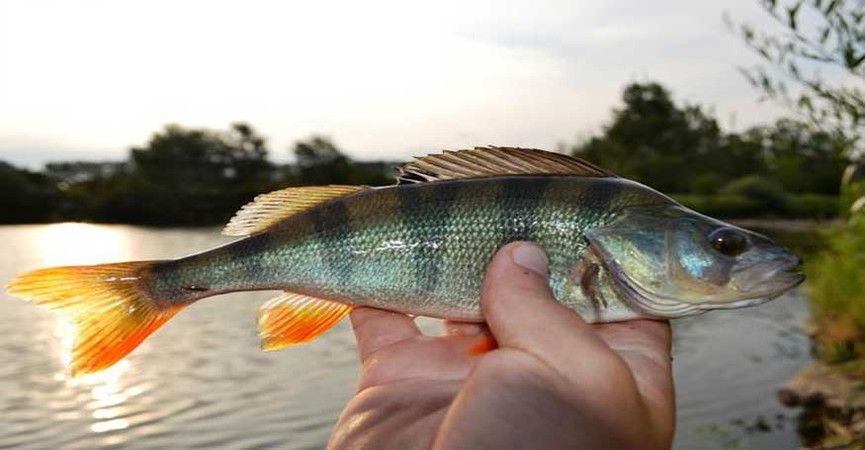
{"x": 766, "y": 280}
{"x": 763, "y": 285}
{"x": 761, "y": 282}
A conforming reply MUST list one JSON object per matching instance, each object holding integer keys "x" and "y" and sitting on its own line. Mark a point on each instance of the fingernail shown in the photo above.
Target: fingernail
{"x": 531, "y": 257}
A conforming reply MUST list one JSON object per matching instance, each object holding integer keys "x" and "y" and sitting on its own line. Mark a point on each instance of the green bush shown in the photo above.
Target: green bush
{"x": 706, "y": 183}
{"x": 722, "y": 205}
{"x": 805, "y": 206}
{"x": 836, "y": 279}
{"x": 761, "y": 190}
{"x": 813, "y": 206}
{"x": 853, "y": 199}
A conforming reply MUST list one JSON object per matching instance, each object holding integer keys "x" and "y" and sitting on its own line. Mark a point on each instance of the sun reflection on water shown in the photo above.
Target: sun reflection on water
{"x": 109, "y": 396}
{"x": 107, "y": 391}
{"x": 80, "y": 244}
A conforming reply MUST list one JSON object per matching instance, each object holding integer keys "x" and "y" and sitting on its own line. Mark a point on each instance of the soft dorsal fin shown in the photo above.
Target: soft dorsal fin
{"x": 494, "y": 161}
{"x": 271, "y": 208}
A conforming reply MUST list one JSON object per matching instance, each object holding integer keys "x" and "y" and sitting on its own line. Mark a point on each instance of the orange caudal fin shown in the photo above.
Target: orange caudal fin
{"x": 107, "y": 304}
{"x": 486, "y": 343}
{"x": 296, "y": 319}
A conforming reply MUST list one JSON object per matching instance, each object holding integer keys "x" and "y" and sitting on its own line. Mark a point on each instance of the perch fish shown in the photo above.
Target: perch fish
{"x": 618, "y": 250}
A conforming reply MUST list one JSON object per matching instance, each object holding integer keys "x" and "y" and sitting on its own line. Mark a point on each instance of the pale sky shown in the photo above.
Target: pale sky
{"x": 386, "y": 80}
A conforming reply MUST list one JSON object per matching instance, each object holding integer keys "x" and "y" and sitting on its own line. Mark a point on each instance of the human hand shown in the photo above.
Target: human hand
{"x": 553, "y": 382}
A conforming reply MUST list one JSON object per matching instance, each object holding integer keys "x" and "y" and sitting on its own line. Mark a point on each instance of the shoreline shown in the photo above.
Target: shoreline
{"x": 833, "y": 407}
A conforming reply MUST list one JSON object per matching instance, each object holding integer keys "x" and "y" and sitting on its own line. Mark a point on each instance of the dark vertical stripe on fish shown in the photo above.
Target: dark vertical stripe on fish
{"x": 426, "y": 211}
{"x": 521, "y": 197}
{"x": 333, "y": 230}
{"x": 601, "y": 194}
{"x": 249, "y": 253}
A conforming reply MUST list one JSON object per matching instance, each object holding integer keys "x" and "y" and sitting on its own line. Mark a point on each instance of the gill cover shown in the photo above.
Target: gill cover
{"x": 636, "y": 249}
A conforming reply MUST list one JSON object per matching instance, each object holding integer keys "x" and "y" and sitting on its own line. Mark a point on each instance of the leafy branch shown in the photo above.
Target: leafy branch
{"x": 810, "y": 36}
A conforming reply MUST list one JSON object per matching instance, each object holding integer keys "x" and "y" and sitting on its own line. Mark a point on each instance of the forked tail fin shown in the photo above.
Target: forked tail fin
{"x": 109, "y": 305}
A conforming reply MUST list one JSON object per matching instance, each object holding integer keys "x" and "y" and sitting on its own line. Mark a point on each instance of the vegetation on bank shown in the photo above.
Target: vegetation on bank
{"x": 837, "y": 295}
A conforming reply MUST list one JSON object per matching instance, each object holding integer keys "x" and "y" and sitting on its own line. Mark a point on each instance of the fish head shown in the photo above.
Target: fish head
{"x": 670, "y": 261}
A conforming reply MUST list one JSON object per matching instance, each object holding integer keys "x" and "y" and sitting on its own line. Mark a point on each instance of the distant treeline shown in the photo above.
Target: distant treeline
{"x": 182, "y": 176}
{"x": 186, "y": 176}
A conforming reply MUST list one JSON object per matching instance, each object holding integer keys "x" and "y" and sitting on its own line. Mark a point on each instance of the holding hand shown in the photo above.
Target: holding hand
{"x": 553, "y": 382}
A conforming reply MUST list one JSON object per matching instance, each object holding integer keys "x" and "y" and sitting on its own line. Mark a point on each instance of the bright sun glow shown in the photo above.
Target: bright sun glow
{"x": 79, "y": 244}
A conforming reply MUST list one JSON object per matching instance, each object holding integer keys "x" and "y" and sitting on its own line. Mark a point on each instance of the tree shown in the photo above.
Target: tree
{"x": 192, "y": 176}
{"x": 814, "y": 37}
{"x": 72, "y": 172}
{"x": 194, "y": 159}
{"x": 789, "y": 150}
{"x": 656, "y": 142}
{"x": 681, "y": 149}
{"x": 245, "y": 153}
{"x": 27, "y": 196}
{"x": 319, "y": 161}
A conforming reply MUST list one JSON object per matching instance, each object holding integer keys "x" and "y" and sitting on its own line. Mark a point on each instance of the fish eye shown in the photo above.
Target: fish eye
{"x": 728, "y": 241}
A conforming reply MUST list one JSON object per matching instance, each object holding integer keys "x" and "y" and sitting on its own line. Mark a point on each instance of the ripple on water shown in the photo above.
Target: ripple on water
{"x": 729, "y": 366}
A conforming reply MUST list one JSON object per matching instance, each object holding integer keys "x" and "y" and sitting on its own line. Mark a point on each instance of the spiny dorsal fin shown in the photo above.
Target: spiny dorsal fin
{"x": 292, "y": 319}
{"x": 494, "y": 161}
{"x": 269, "y": 209}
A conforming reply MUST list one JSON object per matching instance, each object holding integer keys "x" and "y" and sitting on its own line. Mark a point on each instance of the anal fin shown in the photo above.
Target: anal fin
{"x": 292, "y": 319}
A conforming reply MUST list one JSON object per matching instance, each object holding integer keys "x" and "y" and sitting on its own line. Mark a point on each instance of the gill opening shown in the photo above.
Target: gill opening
{"x": 637, "y": 296}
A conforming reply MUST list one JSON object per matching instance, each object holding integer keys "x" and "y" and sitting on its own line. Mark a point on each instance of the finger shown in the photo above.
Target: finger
{"x": 645, "y": 346}
{"x": 652, "y": 338}
{"x": 434, "y": 359}
{"x": 522, "y": 313}
{"x": 456, "y": 328}
{"x": 377, "y": 328}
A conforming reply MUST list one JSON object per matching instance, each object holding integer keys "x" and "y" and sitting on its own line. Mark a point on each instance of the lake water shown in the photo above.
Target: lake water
{"x": 201, "y": 380}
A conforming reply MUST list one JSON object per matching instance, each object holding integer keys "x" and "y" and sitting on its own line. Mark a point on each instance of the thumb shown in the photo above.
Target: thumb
{"x": 520, "y": 308}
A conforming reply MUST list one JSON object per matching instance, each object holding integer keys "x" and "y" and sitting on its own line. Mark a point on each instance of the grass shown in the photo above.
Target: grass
{"x": 837, "y": 295}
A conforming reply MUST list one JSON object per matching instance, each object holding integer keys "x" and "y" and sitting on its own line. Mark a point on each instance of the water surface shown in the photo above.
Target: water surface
{"x": 201, "y": 380}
